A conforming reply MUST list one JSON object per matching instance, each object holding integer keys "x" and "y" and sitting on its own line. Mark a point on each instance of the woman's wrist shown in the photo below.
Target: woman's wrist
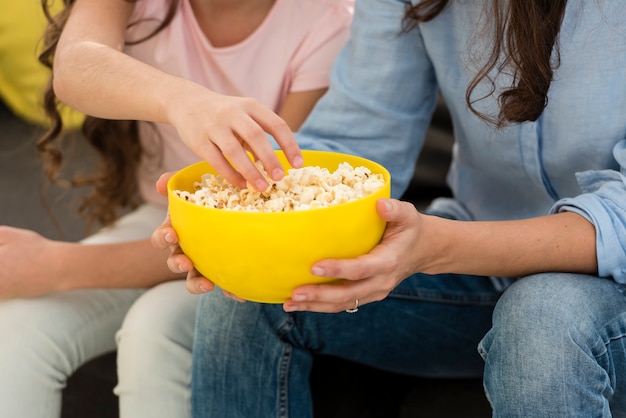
{"x": 435, "y": 247}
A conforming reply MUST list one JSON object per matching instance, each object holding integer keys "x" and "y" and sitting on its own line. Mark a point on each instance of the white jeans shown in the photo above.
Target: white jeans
{"x": 44, "y": 340}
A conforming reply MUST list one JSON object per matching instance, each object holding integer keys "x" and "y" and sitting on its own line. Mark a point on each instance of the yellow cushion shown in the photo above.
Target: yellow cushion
{"x": 22, "y": 77}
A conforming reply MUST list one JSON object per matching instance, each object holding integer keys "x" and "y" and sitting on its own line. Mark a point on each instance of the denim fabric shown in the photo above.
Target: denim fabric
{"x": 558, "y": 349}
{"x": 253, "y": 360}
{"x": 384, "y": 87}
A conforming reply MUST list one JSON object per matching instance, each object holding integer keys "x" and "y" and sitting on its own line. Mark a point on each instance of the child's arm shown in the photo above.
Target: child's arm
{"x": 33, "y": 265}
{"x": 93, "y": 75}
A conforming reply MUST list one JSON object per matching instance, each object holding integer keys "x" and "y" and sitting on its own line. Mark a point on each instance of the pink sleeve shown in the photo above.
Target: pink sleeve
{"x": 314, "y": 58}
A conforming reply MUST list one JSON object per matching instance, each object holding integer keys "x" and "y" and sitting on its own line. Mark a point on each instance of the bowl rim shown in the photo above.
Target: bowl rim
{"x": 383, "y": 171}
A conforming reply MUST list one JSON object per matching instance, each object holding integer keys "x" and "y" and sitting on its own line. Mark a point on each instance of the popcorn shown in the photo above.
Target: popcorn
{"x": 300, "y": 189}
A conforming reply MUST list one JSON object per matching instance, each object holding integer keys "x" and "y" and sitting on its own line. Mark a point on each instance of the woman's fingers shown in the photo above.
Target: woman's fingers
{"x": 197, "y": 283}
{"x": 164, "y": 236}
{"x": 233, "y": 296}
{"x": 337, "y": 297}
{"x": 161, "y": 184}
{"x": 370, "y": 277}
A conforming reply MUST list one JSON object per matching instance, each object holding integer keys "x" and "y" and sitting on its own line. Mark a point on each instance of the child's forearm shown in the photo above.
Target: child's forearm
{"x": 135, "y": 264}
{"x": 95, "y": 79}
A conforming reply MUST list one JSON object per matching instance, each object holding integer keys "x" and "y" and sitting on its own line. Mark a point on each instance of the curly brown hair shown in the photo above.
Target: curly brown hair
{"x": 114, "y": 182}
{"x": 526, "y": 33}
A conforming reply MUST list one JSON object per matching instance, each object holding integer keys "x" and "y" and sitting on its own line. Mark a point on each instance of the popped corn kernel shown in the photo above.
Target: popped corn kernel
{"x": 300, "y": 189}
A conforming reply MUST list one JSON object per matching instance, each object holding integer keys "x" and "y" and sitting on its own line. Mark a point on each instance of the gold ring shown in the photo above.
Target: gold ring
{"x": 356, "y": 307}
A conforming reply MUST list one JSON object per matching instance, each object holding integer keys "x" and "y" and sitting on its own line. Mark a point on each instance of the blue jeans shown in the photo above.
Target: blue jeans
{"x": 254, "y": 360}
{"x": 557, "y": 348}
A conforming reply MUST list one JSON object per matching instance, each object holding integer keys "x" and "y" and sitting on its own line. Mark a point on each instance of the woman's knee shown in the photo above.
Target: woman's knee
{"x": 544, "y": 314}
{"x": 558, "y": 300}
{"x": 549, "y": 343}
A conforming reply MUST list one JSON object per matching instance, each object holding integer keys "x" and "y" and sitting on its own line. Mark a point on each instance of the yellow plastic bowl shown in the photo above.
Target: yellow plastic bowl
{"x": 263, "y": 256}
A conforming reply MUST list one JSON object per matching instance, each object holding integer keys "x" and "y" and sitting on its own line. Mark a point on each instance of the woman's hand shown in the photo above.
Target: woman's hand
{"x": 165, "y": 237}
{"x": 28, "y": 267}
{"x": 369, "y": 277}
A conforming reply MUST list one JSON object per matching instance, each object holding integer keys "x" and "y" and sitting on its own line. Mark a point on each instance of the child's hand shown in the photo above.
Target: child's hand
{"x": 221, "y": 129}
{"x": 28, "y": 264}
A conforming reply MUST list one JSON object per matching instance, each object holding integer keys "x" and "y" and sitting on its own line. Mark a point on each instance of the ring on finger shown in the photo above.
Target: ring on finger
{"x": 356, "y": 307}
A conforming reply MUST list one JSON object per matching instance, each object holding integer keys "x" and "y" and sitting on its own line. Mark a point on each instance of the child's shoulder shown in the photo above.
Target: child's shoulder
{"x": 312, "y": 8}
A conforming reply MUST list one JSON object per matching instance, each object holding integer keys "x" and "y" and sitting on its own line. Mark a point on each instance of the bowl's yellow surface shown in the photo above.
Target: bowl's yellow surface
{"x": 263, "y": 256}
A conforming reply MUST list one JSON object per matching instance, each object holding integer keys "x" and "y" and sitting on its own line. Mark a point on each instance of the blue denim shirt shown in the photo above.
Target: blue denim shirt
{"x": 384, "y": 88}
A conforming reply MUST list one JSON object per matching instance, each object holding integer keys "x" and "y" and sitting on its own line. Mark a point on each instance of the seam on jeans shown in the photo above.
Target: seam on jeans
{"x": 286, "y": 326}
{"x": 600, "y": 348}
{"x": 621, "y": 288}
{"x": 283, "y": 384}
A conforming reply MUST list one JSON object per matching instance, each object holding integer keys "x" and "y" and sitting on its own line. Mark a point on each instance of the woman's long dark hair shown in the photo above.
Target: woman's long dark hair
{"x": 114, "y": 183}
{"x": 526, "y": 32}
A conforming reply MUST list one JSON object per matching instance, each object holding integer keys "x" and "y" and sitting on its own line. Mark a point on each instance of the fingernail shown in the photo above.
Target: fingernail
{"x": 261, "y": 185}
{"x": 168, "y": 238}
{"x": 299, "y": 297}
{"x": 203, "y": 287}
{"x": 318, "y": 271}
{"x": 387, "y": 205}
{"x": 298, "y": 161}
{"x": 290, "y": 308}
{"x": 278, "y": 174}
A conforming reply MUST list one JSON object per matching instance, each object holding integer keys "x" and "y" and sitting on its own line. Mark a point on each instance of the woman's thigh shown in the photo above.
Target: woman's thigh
{"x": 429, "y": 326}
{"x": 256, "y": 358}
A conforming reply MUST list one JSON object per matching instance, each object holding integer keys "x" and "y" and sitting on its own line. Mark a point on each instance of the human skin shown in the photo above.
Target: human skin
{"x": 33, "y": 265}
{"x": 97, "y": 77}
{"x": 94, "y": 75}
{"x": 414, "y": 242}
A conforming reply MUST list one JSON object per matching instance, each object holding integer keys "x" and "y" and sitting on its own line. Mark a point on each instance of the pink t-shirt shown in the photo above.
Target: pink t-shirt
{"x": 292, "y": 50}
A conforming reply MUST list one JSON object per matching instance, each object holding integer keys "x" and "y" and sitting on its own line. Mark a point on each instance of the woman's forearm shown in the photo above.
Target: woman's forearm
{"x": 560, "y": 242}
